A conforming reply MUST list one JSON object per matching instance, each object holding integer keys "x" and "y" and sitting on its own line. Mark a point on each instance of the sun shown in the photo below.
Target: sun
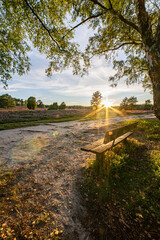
{"x": 107, "y": 104}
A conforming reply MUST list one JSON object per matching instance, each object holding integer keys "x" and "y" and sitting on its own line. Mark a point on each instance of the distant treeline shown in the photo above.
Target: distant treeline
{"x": 131, "y": 104}
{"x": 7, "y": 101}
{"x": 136, "y": 107}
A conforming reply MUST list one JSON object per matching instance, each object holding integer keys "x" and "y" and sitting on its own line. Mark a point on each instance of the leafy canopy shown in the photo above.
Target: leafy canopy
{"x": 6, "y": 101}
{"x": 50, "y": 26}
{"x": 31, "y": 103}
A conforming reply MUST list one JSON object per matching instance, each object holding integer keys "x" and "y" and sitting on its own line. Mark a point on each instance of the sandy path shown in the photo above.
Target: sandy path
{"x": 52, "y": 155}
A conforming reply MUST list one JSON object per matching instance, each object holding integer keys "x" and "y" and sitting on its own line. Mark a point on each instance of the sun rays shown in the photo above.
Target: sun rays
{"x": 107, "y": 107}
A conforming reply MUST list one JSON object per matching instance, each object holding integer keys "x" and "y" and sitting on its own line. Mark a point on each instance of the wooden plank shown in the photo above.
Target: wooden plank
{"x": 117, "y": 132}
{"x": 104, "y": 147}
{"x": 89, "y": 147}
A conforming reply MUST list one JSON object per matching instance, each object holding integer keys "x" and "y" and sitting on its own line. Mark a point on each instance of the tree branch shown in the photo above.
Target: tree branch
{"x": 87, "y": 19}
{"x": 43, "y": 25}
{"x": 99, "y": 4}
{"x": 125, "y": 43}
{"x": 116, "y": 13}
{"x": 116, "y": 48}
{"x": 156, "y": 5}
{"x": 126, "y": 21}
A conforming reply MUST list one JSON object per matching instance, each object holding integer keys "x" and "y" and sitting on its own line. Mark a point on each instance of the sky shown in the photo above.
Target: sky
{"x": 64, "y": 86}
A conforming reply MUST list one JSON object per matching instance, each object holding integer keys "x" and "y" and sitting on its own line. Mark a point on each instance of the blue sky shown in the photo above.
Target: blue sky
{"x": 73, "y": 90}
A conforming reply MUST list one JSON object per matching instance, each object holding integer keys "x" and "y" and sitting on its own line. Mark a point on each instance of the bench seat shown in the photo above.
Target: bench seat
{"x": 111, "y": 139}
{"x": 101, "y": 147}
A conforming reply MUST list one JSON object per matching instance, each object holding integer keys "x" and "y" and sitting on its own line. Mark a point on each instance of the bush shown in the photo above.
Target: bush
{"x": 54, "y": 106}
{"x": 40, "y": 104}
{"x": 31, "y": 104}
{"x": 62, "y": 105}
{"x": 6, "y": 101}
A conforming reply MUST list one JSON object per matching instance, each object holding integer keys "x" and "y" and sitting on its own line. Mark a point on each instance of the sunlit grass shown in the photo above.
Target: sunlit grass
{"x": 117, "y": 111}
{"x": 4, "y": 126}
{"x": 104, "y": 113}
{"x": 94, "y": 112}
{"x": 127, "y": 185}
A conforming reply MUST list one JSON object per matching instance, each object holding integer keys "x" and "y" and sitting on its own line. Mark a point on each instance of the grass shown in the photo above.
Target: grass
{"x": 126, "y": 188}
{"x": 27, "y": 120}
{"x": 5, "y": 126}
{"x": 11, "y": 124}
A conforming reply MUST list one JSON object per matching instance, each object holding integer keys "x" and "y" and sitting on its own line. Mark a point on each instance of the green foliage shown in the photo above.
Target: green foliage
{"x": 96, "y": 100}
{"x": 6, "y": 101}
{"x": 114, "y": 24}
{"x": 148, "y": 105}
{"x": 12, "y": 125}
{"x": 54, "y": 106}
{"x": 40, "y": 104}
{"x": 151, "y": 128}
{"x": 129, "y": 103}
{"x": 31, "y": 103}
{"x": 127, "y": 184}
{"x": 13, "y": 44}
{"x": 62, "y": 105}
{"x": 18, "y": 102}
{"x": 114, "y": 160}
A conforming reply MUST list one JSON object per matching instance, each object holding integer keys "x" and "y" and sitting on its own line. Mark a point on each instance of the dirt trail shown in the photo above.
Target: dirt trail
{"x": 51, "y": 162}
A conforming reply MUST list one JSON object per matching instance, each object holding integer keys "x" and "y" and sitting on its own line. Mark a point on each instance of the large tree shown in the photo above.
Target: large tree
{"x": 129, "y": 25}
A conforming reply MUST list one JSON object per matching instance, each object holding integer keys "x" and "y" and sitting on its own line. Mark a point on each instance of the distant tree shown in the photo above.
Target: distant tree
{"x": 40, "y": 104}
{"x": 18, "y": 101}
{"x": 128, "y": 103}
{"x": 148, "y": 105}
{"x": 124, "y": 103}
{"x": 6, "y": 101}
{"x": 25, "y": 103}
{"x": 132, "y": 101}
{"x": 31, "y": 103}
{"x": 54, "y": 106}
{"x": 22, "y": 102}
{"x": 96, "y": 99}
{"x": 62, "y": 105}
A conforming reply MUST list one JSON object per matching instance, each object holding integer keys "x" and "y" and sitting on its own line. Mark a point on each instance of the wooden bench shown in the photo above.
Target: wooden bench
{"x": 111, "y": 139}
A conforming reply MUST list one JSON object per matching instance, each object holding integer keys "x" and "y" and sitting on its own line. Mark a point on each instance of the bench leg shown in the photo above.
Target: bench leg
{"x": 99, "y": 157}
{"x": 99, "y": 160}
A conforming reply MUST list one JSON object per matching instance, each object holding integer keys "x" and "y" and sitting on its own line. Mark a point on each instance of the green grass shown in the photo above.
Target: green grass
{"x": 126, "y": 187}
{"x": 4, "y": 126}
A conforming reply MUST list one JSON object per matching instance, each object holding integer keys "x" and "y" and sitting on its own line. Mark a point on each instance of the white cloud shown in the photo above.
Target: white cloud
{"x": 4, "y": 91}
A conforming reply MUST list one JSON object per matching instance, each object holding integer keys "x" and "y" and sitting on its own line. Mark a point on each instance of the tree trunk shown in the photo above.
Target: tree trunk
{"x": 154, "y": 73}
{"x": 156, "y": 97}
{"x": 151, "y": 46}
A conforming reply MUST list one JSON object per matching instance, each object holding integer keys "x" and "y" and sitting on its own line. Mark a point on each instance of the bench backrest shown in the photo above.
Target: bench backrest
{"x": 117, "y": 132}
